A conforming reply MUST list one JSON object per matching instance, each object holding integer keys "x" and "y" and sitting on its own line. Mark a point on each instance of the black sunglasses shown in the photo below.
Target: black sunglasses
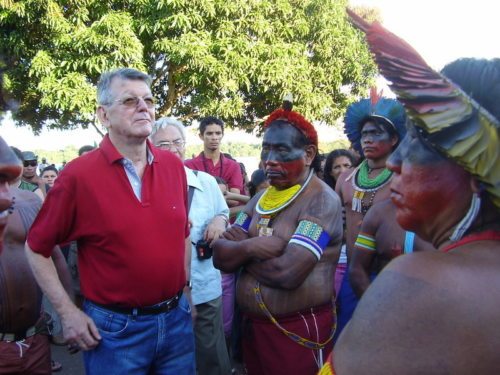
{"x": 30, "y": 163}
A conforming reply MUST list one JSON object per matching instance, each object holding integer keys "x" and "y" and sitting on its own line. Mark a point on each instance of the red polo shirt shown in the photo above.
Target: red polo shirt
{"x": 130, "y": 252}
{"x": 227, "y": 169}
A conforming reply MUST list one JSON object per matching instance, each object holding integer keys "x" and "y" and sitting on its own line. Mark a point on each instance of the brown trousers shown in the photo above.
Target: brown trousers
{"x": 30, "y": 356}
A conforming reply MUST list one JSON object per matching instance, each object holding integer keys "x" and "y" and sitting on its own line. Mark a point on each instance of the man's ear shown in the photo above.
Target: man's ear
{"x": 394, "y": 141}
{"x": 201, "y": 136}
{"x": 310, "y": 151}
{"x": 103, "y": 116}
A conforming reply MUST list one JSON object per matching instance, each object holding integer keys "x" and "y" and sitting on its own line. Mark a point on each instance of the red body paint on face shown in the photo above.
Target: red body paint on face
{"x": 284, "y": 159}
{"x": 375, "y": 141}
{"x": 285, "y": 174}
{"x": 427, "y": 189}
{"x": 422, "y": 193}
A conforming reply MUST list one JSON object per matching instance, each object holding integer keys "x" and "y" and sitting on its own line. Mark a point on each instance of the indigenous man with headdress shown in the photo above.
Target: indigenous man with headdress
{"x": 374, "y": 126}
{"x": 437, "y": 312}
{"x": 287, "y": 239}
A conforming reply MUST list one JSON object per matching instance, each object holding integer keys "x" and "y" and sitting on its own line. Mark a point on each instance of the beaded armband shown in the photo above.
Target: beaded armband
{"x": 311, "y": 236}
{"x": 365, "y": 242}
{"x": 243, "y": 221}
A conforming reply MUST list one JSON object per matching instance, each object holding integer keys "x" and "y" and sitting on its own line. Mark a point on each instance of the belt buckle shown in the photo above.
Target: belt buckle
{"x": 169, "y": 303}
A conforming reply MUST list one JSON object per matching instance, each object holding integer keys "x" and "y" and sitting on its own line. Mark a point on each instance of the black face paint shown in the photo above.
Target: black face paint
{"x": 283, "y": 155}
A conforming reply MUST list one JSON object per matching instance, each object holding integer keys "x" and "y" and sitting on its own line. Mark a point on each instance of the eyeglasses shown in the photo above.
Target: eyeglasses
{"x": 30, "y": 163}
{"x": 178, "y": 143}
{"x": 133, "y": 101}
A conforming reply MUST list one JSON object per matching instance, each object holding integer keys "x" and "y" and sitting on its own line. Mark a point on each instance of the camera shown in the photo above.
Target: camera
{"x": 203, "y": 249}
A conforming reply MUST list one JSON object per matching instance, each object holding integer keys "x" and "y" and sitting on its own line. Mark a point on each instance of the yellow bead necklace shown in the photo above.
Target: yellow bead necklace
{"x": 274, "y": 200}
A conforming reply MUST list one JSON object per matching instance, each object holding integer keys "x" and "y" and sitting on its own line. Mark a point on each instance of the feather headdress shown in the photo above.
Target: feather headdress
{"x": 294, "y": 118}
{"x": 376, "y": 106}
{"x": 450, "y": 120}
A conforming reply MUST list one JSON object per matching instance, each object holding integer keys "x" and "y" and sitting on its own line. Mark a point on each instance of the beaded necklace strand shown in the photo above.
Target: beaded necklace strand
{"x": 362, "y": 184}
{"x": 273, "y": 201}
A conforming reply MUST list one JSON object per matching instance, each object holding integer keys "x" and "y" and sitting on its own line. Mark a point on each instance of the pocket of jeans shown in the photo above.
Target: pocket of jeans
{"x": 184, "y": 305}
{"x": 109, "y": 322}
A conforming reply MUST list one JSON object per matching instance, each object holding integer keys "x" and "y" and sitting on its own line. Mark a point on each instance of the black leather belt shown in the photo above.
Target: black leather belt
{"x": 18, "y": 336}
{"x": 162, "y": 307}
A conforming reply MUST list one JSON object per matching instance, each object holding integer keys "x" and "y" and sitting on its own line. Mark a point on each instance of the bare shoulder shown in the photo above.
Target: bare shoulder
{"x": 26, "y": 198}
{"x": 320, "y": 201}
{"x": 320, "y": 193}
{"x": 342, "y": 183}
{"x": 421, "y": 304}
{"x": 375, "y": 214}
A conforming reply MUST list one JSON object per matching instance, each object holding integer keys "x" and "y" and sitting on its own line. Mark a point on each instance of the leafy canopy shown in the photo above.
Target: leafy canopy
{"x": 233, "y": 59}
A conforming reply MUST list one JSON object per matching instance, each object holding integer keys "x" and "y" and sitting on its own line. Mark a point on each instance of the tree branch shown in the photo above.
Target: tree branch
{"x": 93, "y": 123}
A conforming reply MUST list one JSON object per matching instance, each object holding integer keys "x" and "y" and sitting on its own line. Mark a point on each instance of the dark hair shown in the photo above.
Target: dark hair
{"x": 84, "y": 149}
{"x": 243, "y": 169}
{"x": 478, "y": 78}
{"x": 210, "y": 120}
{"x": 51, "y": 167}
{"x": 258, "y": 177}
{"x": 329, "y": 164}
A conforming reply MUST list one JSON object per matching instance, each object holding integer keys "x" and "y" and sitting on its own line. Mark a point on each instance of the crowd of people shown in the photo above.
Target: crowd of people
{"x": 379, "y": 259}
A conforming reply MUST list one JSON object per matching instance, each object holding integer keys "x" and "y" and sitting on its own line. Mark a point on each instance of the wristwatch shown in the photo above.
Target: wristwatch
{"x": 189, "y": 284}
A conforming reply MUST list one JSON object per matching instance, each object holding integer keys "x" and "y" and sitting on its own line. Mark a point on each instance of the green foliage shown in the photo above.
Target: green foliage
{"x": 233, "y": 59}
{"x": 370, "y": 14}
{"x": 237, "y": 149}
{"x": 57, "y": 156}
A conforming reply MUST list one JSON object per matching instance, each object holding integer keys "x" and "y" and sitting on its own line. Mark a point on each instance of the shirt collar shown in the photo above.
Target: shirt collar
{"x": 192, "y": 179}
{"x": 112, "y": 154}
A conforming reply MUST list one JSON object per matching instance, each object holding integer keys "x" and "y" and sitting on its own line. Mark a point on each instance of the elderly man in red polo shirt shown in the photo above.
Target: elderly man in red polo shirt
{"x": 125, "y": 205}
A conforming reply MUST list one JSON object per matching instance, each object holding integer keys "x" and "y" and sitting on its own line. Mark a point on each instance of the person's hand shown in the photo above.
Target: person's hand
{"x": 80, "y": 331}
{"x": 235, "y": 234}
{"x": 215, "y": 229}
{"x": 264, "y": 248}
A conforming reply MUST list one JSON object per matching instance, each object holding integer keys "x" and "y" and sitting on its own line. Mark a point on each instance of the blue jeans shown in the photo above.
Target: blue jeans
{"x": 142, "y": 344}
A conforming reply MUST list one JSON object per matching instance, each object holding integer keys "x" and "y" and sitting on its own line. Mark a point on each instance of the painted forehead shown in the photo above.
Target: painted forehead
{"x": 282, "y": 132}
{"x": 418, "y": 149}
{"x": 371, "y": 125}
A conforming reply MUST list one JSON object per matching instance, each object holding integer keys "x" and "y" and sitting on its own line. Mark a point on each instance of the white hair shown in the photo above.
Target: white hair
{"x": 163, "y": 122}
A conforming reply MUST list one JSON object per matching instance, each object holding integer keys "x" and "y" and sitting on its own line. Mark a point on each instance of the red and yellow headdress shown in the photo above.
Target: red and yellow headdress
{"x": 295, "y": 119}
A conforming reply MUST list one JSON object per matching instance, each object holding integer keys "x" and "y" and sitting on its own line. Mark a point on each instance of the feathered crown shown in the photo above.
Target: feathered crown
{"x": 451, "y": 121}
{"x": 390, "y": 110}
{"x": 294, "y": 118}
